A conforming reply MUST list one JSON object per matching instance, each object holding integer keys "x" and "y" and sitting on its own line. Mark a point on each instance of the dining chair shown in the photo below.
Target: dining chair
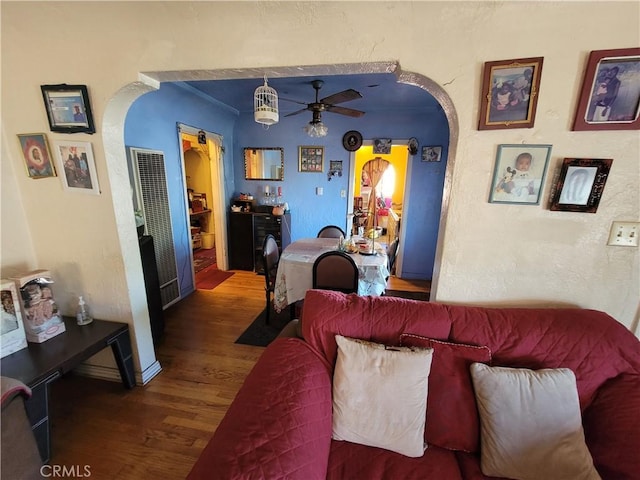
{"x": 335, "y": 270}
{"x": 270, "y": 259}
{"x": 392, "y": 251}
{"x": 331, "y": 231}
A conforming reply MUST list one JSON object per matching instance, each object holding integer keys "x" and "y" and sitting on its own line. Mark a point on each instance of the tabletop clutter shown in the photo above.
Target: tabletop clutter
{"x": 358, "y": 244}
{"x": 295, "y": 268}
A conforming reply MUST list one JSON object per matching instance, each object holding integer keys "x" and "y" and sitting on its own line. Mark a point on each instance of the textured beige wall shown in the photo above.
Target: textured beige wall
{"x": 492, "y": 254}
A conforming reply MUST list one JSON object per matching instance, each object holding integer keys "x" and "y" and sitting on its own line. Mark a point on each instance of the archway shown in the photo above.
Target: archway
{"x": 116, "y": 159}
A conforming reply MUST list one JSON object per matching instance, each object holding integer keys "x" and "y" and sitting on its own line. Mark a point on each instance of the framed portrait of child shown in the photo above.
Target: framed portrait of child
{"x": 519, "y": 174}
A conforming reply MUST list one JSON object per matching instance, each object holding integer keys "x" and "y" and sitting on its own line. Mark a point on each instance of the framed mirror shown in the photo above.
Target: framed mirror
{"x": 264, "y": 163}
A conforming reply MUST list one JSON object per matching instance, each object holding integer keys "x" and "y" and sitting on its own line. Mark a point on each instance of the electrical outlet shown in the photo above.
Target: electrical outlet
{"x": 343, "y": 193}
{"x": 624, "y": 234}
{"x": 319, "y": 190}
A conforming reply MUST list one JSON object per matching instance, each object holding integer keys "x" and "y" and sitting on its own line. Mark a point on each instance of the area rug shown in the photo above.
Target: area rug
{"x": 424, "y": 296}
{"x": 203, "y": 259}
{"x": 259, "y": 333}
{"x": 211, "y": 279}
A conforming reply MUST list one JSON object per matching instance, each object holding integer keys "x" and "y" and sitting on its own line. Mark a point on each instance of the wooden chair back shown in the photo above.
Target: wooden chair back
{"x": 335, "y": 271}
{"x": 331, "y": 231}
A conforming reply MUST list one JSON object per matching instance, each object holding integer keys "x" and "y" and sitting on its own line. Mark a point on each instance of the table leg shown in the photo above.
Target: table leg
{"x": 121, "y": 347}
{"x": 38, "y": 412}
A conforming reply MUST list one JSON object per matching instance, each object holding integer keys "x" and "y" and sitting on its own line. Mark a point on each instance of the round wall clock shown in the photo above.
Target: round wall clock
{"x": 352, "y": 140}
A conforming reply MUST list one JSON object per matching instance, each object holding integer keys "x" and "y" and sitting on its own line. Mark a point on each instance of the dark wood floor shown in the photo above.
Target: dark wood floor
{"x": 158, "y": 430}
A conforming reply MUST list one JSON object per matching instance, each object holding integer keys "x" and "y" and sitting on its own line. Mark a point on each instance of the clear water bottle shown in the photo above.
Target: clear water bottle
{"x": 82, "y": 315}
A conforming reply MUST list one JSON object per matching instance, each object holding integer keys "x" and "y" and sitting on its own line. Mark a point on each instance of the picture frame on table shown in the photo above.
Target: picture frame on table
{"x": 580, "y": 184}
{"x": 610, "y": 94}
{"x": 509, "y": 96}
{"x": 68, "y": 108}
{"x": 431, "y": 154}
{"x": 77, "y": 167}
{"x": 310, "y": 159}
{"x": 519, "y": 173}
{"x": 37, "y": 155}
{"x": 12, "y": 335}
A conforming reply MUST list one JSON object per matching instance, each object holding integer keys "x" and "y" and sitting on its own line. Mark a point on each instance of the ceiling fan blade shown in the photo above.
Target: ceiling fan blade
{"x": 296, "y": 112}
{"x": 340, "y": 97}
{"x": 294, "y": 101}
{"x": 350, "y": 112}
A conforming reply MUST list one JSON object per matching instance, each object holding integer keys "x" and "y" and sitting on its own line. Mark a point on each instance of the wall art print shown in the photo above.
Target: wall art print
{"x": 610, "y": 94}
{"x": 36, "y": 154}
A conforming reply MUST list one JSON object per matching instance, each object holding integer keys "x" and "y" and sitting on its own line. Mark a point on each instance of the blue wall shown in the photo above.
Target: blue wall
{"x": 151, "y": 123}
{"x": 310, "y": 212}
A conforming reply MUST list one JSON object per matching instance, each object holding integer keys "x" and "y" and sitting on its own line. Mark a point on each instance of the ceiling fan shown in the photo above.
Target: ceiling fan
{"x": 328, "y": 104}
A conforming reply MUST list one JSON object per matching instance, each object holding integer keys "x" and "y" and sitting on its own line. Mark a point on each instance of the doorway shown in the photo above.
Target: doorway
{"x": 389, "y": 216}
{"x": 203, "y": 168}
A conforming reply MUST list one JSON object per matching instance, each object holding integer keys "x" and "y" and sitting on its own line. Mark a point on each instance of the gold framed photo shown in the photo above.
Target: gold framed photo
{"x": 36, "y": 154}
{"x": 510, "y": 93}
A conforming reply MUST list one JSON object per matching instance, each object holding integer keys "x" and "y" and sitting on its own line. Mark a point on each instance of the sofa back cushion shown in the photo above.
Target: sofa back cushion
{"x": 592, "y": 344}
{"x": 452, "y": 416}
{"x": 376, "y": 319}
{"x": 612, "y": 428}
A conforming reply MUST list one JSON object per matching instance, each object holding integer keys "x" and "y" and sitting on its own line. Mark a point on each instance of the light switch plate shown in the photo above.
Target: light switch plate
{"x": 624, "y": 234}
{"x": 319, "y": 190}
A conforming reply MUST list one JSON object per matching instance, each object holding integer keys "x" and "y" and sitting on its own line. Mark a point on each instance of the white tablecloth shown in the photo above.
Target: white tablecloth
{"x": 295, "y": 270}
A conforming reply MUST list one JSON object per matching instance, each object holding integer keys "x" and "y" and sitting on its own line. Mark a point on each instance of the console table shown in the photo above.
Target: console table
{"x": 41, "y": 363}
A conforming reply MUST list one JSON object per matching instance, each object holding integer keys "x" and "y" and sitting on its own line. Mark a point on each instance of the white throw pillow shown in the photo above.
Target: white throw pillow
{"x": 530, "y": 424}
{"x": 380, "y": 395}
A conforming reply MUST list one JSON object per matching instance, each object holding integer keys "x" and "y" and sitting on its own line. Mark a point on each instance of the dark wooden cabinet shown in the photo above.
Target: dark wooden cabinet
{"x": 241, "y": 241}
{"x": 246, "y": 235}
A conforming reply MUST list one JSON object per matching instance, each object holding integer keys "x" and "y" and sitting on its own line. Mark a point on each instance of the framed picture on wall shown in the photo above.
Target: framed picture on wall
{"x": 431, "y": 154}
{"x": 610, "y": 94}
{"x": 580, "y": 184}
{"x": 311, "y": 159}
{"x": 36, "y": 154}
{"x": 68, "y": 108}
{"x": 382, "y": 146}
{"x": 510, "y": 93}
{"x": 519, "y": 172}
{"x": 77, "y": 167}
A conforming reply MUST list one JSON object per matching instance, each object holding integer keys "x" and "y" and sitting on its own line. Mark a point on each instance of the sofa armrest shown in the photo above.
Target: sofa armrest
{"x": 10, "y": 387}
{"x": 612, "y": 428}
{"x": 279, "y": 424}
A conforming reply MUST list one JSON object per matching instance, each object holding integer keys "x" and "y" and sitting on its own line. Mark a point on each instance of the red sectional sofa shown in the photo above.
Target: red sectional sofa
{"x": 280, "y": 423}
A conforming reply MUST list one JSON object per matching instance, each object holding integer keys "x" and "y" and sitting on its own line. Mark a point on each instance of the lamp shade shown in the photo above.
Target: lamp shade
{"x": 316, "y": 129}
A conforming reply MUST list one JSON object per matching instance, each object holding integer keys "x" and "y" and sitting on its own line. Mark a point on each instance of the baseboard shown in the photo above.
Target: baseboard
{"x": 112, "y": 373}
{"x": 149, "y": 373}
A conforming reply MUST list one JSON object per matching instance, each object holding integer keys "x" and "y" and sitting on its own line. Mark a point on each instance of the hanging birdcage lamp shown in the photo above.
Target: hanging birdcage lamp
{"x": 265, "y": 105}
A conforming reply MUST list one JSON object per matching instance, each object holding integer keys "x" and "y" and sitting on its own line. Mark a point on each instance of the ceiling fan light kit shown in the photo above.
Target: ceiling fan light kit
{"x": 315, "y": 128}
{"x": 318, "y": 129}
{"x": 265, "y": 105}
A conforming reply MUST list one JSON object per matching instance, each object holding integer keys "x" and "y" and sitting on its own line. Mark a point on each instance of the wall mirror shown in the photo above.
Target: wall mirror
{"x": 265, "y": 163}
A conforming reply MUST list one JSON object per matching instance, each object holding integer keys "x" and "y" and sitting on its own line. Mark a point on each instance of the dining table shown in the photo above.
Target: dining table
{"x": 295, "y": 269}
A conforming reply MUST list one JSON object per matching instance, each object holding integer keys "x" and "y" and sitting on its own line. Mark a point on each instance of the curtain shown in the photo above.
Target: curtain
{"x": 374, "y": 169}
